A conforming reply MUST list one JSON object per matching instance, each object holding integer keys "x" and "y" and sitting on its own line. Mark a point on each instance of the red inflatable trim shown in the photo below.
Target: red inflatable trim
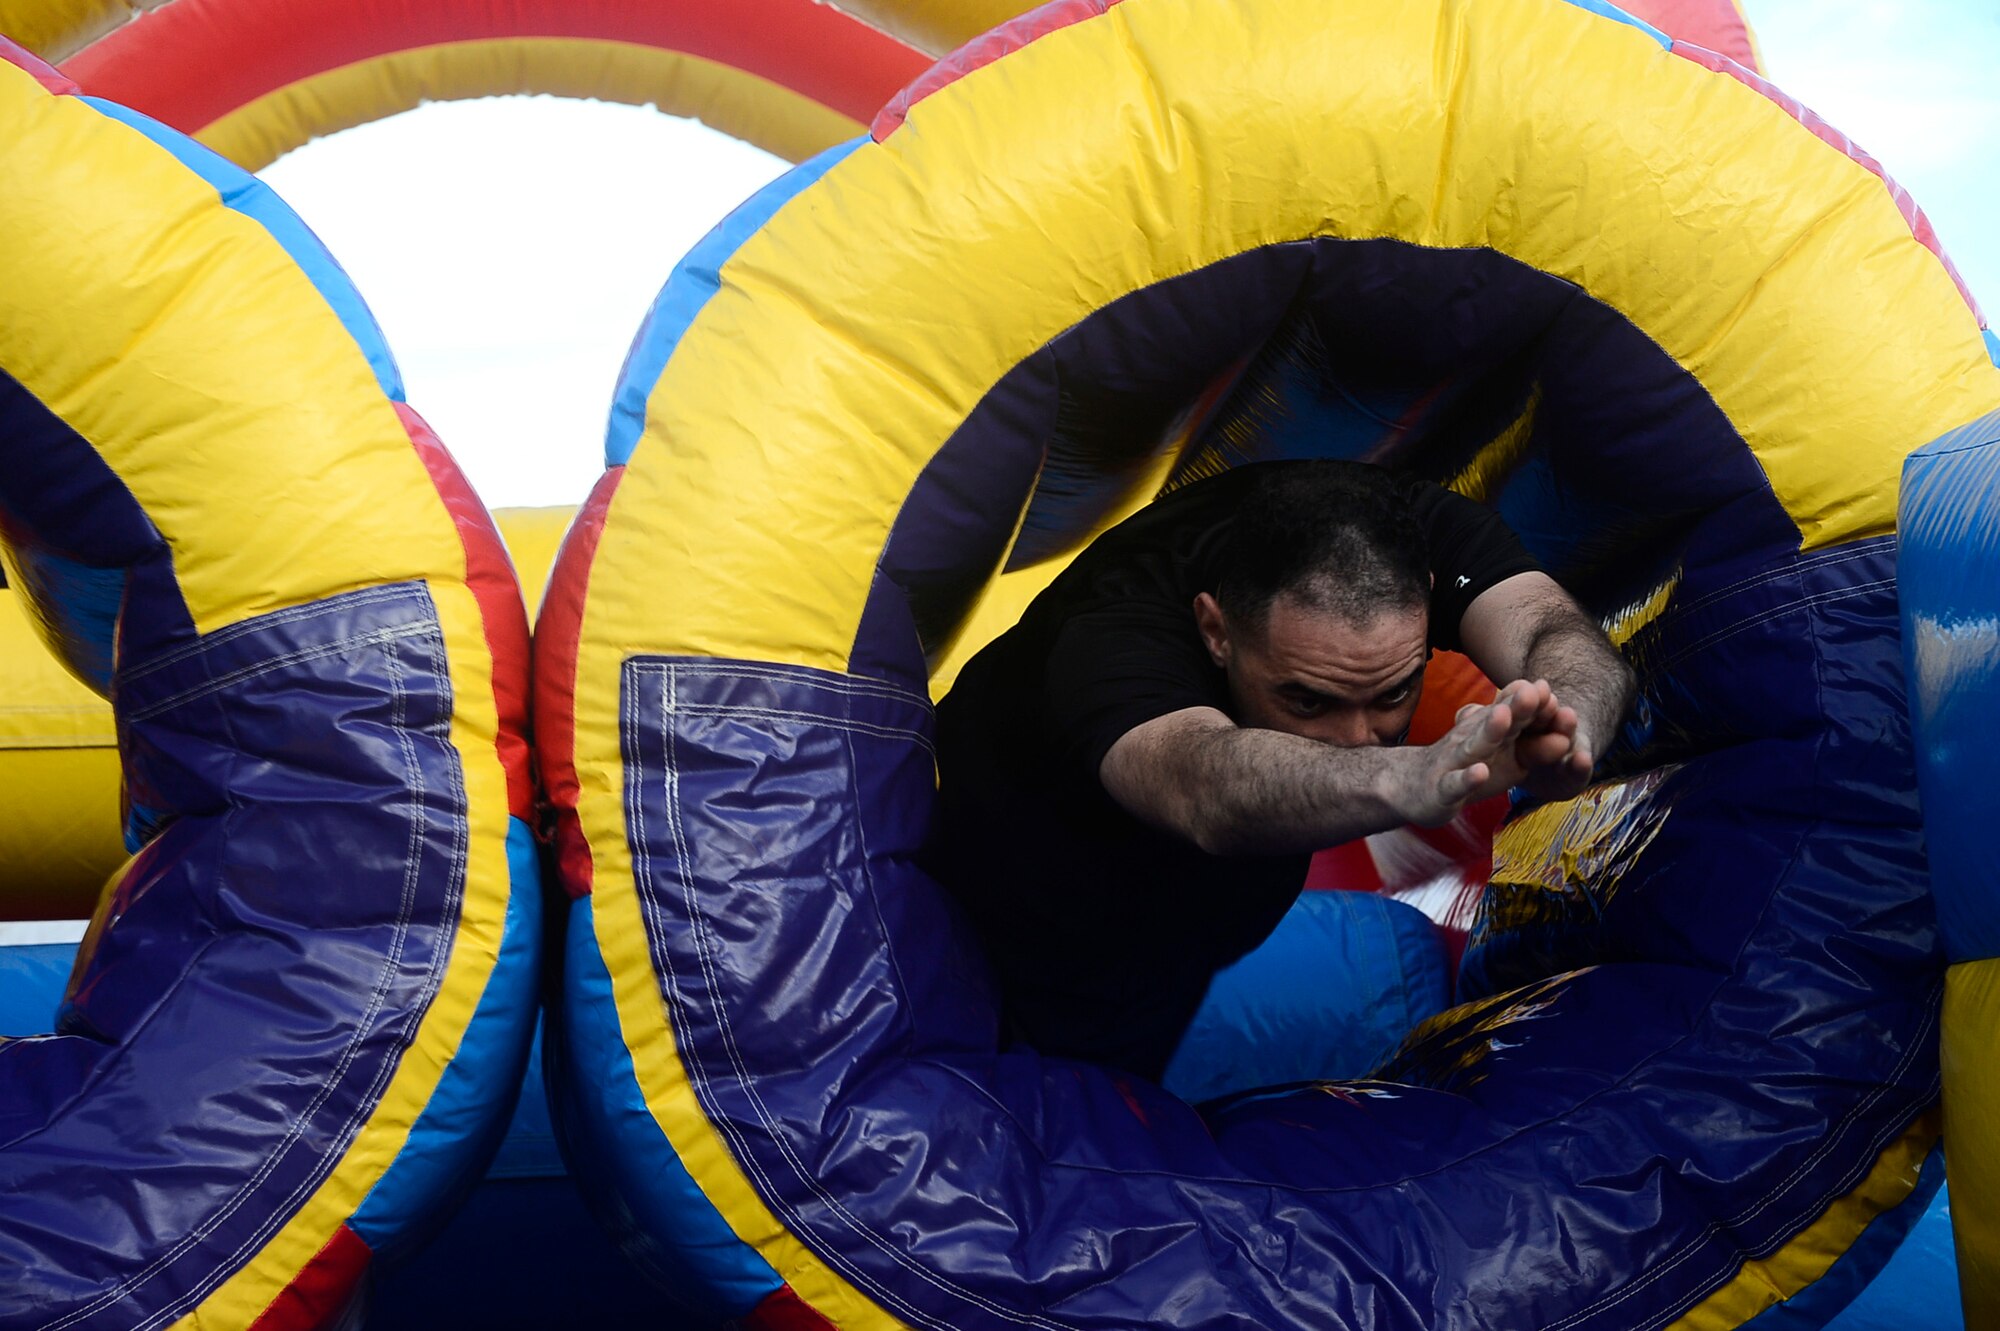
{"x": 782, "y": 1310}
{"x": 41, "y": 70}
{"x": 1716, "y": 24}
{"x": 192, "y": 62}
{"x": 321, "y": 1291}
{"x": 982, "y": 51}
{"x": 557, "y": 633}
{"x": 490, "y": 574}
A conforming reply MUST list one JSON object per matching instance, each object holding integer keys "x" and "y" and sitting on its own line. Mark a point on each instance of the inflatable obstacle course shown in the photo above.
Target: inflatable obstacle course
{"x": 1592, "y": 900}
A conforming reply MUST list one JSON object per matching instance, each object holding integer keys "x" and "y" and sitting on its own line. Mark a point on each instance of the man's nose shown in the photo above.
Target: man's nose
{"x": 1349, "y": 729}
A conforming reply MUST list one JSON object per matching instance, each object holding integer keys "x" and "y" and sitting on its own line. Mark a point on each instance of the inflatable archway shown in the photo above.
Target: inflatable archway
{"x": 305, "y": 1002}
{"x": 1673, "y": 326}
{"x": 254, "y": 80}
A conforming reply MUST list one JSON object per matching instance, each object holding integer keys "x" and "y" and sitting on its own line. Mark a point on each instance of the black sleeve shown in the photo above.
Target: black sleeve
{"x": 1116, "y": 666}
{"x": 1471, "y": 551}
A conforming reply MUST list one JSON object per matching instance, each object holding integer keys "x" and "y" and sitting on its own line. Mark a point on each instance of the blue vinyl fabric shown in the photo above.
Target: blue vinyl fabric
{"x": 521, "y": 1252}
{"x": 237, "y": 919}
{"x": 638, "y": 1189}
{"x": 31, "y": 986}
{"x": 1950, "y": 566}
{"x": 89, "y": 558}
{"x": 1918, "y": 1286}
{"x": 1330, "y": 994}
{"x": 468, "y": 1116}
{"x": 1581, "y": 1072}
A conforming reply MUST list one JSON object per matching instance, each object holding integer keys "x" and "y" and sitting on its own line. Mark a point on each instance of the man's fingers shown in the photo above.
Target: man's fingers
{"x": 1457, "y": 785}
{"x": 1494, "y": 727}
{"x": 1545, "y": 715}
{"x": 1544, "y": 750}
{"x": 1523, "y": 702}
{"x": 1528, "y": 700}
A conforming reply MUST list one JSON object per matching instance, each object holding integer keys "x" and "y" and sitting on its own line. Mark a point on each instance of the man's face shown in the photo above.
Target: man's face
{"x": 1316, "y": 675}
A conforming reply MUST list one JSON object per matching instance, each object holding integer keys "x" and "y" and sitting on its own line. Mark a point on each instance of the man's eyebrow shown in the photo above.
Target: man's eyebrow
{"x": 1292, "y": 688}
{"x": 1408, "y": 681}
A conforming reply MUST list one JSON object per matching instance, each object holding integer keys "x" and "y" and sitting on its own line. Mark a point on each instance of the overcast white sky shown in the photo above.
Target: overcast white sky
{"x": 511, "y": 246}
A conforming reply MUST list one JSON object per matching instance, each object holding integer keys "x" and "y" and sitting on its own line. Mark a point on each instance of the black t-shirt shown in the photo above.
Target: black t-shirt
{"x": 1103, "y": 931}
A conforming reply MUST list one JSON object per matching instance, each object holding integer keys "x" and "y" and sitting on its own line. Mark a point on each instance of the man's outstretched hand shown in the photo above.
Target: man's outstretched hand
{"x": 1553, "y": 756}
{"x": 1490, "y": 748}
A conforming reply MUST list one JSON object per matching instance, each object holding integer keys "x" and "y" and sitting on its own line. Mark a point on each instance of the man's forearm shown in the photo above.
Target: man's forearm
{"x": 1586, "y": 673}
{"x": 1261, "y": 792}
{"x": 1241, "y": 791}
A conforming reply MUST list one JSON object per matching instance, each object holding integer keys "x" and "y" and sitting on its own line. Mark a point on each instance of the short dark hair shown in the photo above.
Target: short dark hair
{"x": 1339, "y": 537}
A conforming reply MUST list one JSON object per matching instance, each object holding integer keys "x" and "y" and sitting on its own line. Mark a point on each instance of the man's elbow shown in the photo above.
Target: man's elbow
{"x": 1217, "y": 830}
{"x": 1211, "y": 839}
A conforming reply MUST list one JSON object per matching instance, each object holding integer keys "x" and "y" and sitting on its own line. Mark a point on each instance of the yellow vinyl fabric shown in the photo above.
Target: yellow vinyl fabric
{"x": 533, "y": 536}
{"x": 1759, "y": 1284}
{"x": 57, "y": 29}
{"x": 1972, "y": 1117}
{"x": 172, "y": 341}
{"x": 59, "y": 760}
{"x": 851, "y": 335}
{"x": 937, "y": 26}
{"x": 59, "y": 750}
{"x": 125, "y": 371}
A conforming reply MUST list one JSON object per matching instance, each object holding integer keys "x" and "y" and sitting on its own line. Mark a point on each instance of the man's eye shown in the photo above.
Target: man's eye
{"x": 1394, "y": 698}
{"x": 1303, "y": 704}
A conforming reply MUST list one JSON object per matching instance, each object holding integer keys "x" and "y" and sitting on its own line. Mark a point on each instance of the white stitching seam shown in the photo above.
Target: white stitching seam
{"x": 372, "y": 638}
{"x": 844, "y": 683}
{"x": 1729, "y": 631}
{"x": 723, "y": 711}
{"x": 1715, "y": 1228}
{"x": 310, "y": 610}
{"x": 284, "y": 1210}
{"x": 1840, "y": 554}
{"x": 800, "y": 1171}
